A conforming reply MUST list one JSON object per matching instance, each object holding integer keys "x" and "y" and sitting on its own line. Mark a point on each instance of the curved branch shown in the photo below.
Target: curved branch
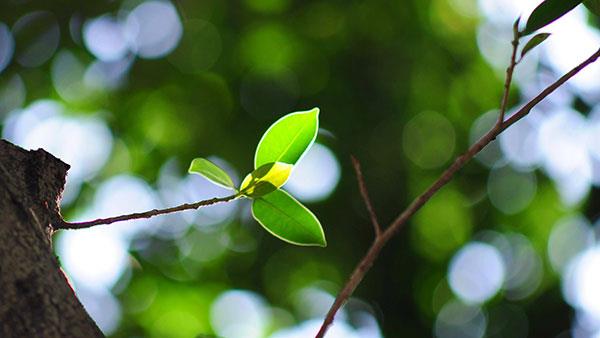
{"x": 146, "y": 214}
{"x": 365, "y": 264}
{"x": 362, "y": 186}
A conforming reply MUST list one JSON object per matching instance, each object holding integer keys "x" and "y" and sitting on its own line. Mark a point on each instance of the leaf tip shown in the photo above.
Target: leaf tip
{"x": 323, "y": 243}
{"x": 315, "y": 111}
{"x": 192, "y": 165}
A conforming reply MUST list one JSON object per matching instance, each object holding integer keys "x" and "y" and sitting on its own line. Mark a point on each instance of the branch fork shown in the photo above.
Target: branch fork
{"x": 382, "y": 237}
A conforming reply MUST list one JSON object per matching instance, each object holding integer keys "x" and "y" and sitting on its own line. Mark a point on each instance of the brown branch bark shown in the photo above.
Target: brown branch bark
{"x": 140, "y": 215}
{"x": 509, "y": 72}
{"x": 36, "y": 299}
{"x": 365, "y": 196}
{"x": 367, "y": 261}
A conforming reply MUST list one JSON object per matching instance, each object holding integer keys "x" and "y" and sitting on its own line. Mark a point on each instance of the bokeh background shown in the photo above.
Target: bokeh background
{"x": 128, "y": 92}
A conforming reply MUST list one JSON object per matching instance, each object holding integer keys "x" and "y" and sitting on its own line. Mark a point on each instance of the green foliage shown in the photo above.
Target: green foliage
{"x": 535, "y": 41}
{"x": 285, "y": 218}
{"x": 547, "y": 12}
{"x": 211, "y": 171}
{"x": 288, "y": 138}
{"x": 281, "y": 146}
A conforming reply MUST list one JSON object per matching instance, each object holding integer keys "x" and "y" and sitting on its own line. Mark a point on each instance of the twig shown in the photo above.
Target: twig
{"x": 365, "y": 196}
{"x": 146, "y": 214}
{"x": 365, "y": 264}
{"x": 509, "y": 72}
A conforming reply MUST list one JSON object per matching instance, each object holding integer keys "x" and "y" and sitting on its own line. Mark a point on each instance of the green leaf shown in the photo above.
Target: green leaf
{"x": 212, "y": 172}
{"x": 288, "y": 138}
{"x": 593, "y": 6}
{"x": 267, "y": 178}
{"x": 547, "y": 12}
{"x": 534, "y": 42}
{"x": 285, "y": 218}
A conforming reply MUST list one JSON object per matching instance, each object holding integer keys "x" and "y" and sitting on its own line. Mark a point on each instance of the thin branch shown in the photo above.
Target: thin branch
{"x": 365, "y": 264}
{"x": 365, "y": 196}
{"x": 146, "y": 214}
{"x": 509, "y": 72}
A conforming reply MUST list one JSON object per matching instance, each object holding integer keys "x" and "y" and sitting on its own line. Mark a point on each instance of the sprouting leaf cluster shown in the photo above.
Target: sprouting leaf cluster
{"x": 546, "y": 13}
{"x": 278, "y": 151}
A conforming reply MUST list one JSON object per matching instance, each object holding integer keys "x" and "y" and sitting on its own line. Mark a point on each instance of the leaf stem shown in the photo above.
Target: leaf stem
{"x": 380, "y": 241}
{"x": 146, "y": 214}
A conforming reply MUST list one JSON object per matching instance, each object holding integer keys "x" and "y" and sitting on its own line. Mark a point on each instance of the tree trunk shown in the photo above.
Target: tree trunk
{"x": 36, "y": 299}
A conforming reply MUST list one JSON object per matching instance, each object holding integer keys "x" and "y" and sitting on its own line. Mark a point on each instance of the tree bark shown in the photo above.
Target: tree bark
{"x": 36, "y": 299}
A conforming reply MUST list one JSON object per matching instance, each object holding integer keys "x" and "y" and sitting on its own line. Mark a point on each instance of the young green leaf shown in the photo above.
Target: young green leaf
{"x": 288, "y": 138}
{"x": 547, "y": 12}
{"x": 534, "y": 42}
{"x": 267, "y": 178}
{"x": 285, "y": 218}
{"x": 212, "y": 172}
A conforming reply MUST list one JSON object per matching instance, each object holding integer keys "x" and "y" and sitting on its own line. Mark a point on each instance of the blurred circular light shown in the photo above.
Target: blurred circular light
{"x": 593, "y": 136}
{"x": 95, "y": 258}
{"x": 124, "y": 194}
{"x": 315, "y": 177}
{"x": 238, "y": 313}
{"x": 511, "y": 191}
{"x": 581, "y": 286}
{"x": 199, "y": 49}
{"x": 67, "y": 77}
{"x": 457, "y": 320}
{"x": 312, "y": 302}
{"x": 569, "y": 237}
{"x": 519, "y": 142}
{"x": 476, "y": 272}
{"x": 491, "y": 154}
{"x": 36, "y": 36}
{"x": 269, "y": 48}
{"x": 105, "y": 38}
{"x": 564, "y": 52}
{"x": 443, "y": 225}
{"x": 524, "y": 269}
{"x": 7, "y": 46}
{"x": 584, "y": 325}
{"x": 153, "y": 29}
{"x": 505, "y": 12}
{"x": 428, "y": 140}
{"x": 18, "y": 125}
{"x": 171, "y": 192}
{"x": 12, "y": 94}
{"x": 563, "y": 143}
{"x": 561, "y": 140}
{"x": 203, "y": 246}
{"x": 103, "y": 307}
{"x": 107, "y": 75}
{"x": 496, "y": 30}
{"x": 338, "y": 329}
{"x": 196, "y": 188}
{"x": 84, "y": 142}
{"x": 491, "y": 40}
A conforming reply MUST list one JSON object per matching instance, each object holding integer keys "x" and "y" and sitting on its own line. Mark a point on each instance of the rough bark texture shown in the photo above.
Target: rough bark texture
{"x": 36, "y": 299}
